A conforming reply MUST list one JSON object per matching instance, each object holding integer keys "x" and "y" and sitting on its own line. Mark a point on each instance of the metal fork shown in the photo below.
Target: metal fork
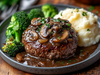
{"x": 8, "y": 11}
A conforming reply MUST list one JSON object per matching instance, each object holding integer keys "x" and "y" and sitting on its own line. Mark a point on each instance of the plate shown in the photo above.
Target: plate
{"x": 46, "y": 70}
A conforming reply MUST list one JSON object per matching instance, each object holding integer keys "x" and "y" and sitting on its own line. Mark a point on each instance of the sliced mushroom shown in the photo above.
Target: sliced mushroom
{"x": 43, "y": 40}
{"x": 63, "y": 37}
{"x": 34, "y": 36}
{"x": 34, "y": 22}
{"x": 20, "y": 56}
{"x": 44, "y": 33}
{"x": 55, "y": 28}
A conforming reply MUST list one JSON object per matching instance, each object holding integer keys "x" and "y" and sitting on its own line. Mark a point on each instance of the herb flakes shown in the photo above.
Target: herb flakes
{"x": 88, "y": 29}
{"x": 96, "y": 12}
{"x": 77, "y": 10}
{"x": 84, "y": 13}
{"x": 68, "y": 24}
{"x": 69, "y": 61}
{"x": 51, "y": 32}
{"x": 48, "y": 25}
{"x": 61, "y": 14}
{"x": 91, "y": 8}
{"x": 59, "y": 37}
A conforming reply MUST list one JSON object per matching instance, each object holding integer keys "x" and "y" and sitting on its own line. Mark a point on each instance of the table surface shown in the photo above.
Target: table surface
{"x": 94, "y": 69}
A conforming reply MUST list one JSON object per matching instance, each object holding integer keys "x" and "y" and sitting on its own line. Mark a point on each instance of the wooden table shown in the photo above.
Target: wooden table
{"x": 94, "y": 69}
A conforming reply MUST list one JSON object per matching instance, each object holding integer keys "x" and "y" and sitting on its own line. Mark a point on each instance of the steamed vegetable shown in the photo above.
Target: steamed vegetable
{"x": 35, "y": 13}
{"x": 12, "y": 46}
{"x": 19, "y": 22}
{"x": 49, "y": 10}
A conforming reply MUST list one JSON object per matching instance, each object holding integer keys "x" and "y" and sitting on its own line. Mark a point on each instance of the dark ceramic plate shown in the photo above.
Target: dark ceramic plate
{"x": 46, "y": 70}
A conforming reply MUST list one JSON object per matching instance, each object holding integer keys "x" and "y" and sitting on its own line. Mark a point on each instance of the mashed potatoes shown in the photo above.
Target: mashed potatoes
{"x": 84, "y": 23}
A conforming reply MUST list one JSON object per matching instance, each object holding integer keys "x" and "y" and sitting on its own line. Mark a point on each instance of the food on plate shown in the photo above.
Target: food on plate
{"x": 13, "y": 47}
{"x": 19, "y": 22}
{"x": 38, "y": 39}
{"x": 81, "y": 54}
{"x": 35, "y": 13}
{"x": 50, "y": 38}
{"x": 84, "y": 23}
{"x": 49, "y": 10}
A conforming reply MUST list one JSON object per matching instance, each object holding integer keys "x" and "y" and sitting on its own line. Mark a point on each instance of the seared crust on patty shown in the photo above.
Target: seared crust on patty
{"x": 56, "y": 38}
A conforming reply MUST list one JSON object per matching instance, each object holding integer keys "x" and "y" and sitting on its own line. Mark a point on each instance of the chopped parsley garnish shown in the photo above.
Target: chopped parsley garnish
{"x": 91, "y": 8}
{"x": 62, "y": 63}
{"x": 58, "y": 20}
{"x": 77, "y": 10}
{"x": 84, "y": 13}
{"x": 61, "y": 25}
{"x": 62, "y": 32}
{"x": 43, "y": 18}
{"x": 43, "y": 22}
{"x": 71, "y": 12}
{"x": 61, "y": 14}
{"x": 96, "y": 12}
{"x": 81, "y": 50}
{"x": 63, "y": 20}
{"x": 74, "y": 60}
{"x": 38, "y": 29}
{"x": 70, "y": 35}
{"x": 57, "y": 61}
{"x": 69, "y": 61}
{"x": 41, "y": 25}
{"x": 67, "y": 28}
{"x": 51, "y": 32}
{"x": 68, "y": 24}
{"x": 48, "y": 25}
{"x": 88, "y": 29}
{"x": 59, "y": 38}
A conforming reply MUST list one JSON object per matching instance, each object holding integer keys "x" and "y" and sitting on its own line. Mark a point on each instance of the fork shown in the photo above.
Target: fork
{"x": 8, "y": 11}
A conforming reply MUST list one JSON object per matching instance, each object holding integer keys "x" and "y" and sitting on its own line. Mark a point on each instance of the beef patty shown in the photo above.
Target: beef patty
{"x": 50, "y": 38}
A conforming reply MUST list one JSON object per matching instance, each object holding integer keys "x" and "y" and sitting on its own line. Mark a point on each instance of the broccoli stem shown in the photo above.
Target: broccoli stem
{"x": 18, "y": 36}
{"x": 47, "y": 14}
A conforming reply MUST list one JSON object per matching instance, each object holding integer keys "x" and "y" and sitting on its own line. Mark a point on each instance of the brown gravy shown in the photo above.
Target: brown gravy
{"x": 81, "y": 54}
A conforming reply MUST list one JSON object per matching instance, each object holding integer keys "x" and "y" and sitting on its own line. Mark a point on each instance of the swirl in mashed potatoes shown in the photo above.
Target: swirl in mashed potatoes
{"x": 84, "y": 23}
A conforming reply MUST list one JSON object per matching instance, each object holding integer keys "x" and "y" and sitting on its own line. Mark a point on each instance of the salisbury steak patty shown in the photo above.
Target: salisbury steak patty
{"x": 50, "y": 38}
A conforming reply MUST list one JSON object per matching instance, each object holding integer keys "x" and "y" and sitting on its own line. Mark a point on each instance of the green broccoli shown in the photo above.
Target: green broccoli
{"x": 19, "y": 22}
{"x": 35, "y": 13}
{"x": 13, "y": 47}
{"x": 49, "y": 10}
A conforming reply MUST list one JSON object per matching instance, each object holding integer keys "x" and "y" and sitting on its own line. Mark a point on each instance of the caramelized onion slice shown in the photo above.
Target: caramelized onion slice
{"x": 63, "y": 37}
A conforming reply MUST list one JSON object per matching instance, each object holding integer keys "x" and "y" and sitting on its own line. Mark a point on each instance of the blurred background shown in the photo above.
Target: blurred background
{"x": 9, "y": 7}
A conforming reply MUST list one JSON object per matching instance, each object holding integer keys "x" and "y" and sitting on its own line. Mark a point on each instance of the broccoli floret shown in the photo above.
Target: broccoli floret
{"x": 49, "y": 10}
{"x": 35, "y": 13}
{"x": 19, "y": 22}
{"x": 13, "y": 47}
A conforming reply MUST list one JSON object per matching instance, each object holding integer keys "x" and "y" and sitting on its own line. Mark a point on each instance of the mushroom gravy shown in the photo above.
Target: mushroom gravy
{"x": 81, "y": 54}
{"x": 50, "y": 38}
